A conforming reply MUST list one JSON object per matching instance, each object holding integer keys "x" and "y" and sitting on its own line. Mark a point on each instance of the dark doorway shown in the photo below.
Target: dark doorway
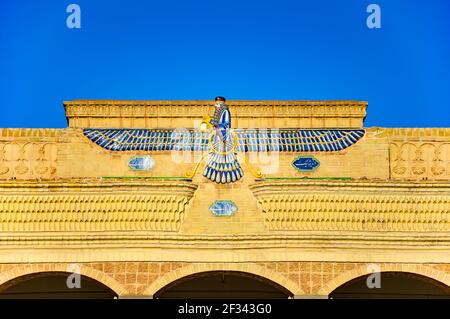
{"x": 223, "y": 284}
{"x": 394, "y": 285}
{"x": 53, "y": 285}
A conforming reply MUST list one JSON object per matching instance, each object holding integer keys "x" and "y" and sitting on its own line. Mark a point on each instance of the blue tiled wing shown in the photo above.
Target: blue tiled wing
{"x": 148, "y": 139}
{"x": 297, "y": 140}
{"x": 248, "y": 140}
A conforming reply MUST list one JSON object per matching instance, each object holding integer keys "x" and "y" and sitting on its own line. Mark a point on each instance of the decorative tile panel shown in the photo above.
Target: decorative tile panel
{"x": 141, "y": 163}
{"x": 306, "y": 163}
{"x": 223, "y": 208}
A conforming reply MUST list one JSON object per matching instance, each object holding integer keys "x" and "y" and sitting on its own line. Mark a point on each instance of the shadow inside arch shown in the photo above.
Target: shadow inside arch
{"x": 218, "y": 284}
{"x": 55, "y": 285}
{"x": 391, "y": 285}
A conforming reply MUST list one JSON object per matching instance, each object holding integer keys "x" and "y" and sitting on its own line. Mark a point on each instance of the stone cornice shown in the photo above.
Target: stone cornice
{"x": 98, "y": 114}
{"x": 34, "y": 134}
{"x": 355, "y": 206}
{"x": 413, "y": 134}
{"x": 287, "y": 185}
{"x": 96, "y": 185}
{"x": 308, "y": 246}
{"x": 93, "y": 206}
{"x": 413, "y": 240}
{"x": 140, "y": 108}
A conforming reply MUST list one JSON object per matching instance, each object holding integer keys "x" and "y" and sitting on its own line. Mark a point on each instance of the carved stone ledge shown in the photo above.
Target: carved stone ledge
{"x": 416, "y": 134}
{"x": 354, "y": 206}
{"x": 94, "y": 206}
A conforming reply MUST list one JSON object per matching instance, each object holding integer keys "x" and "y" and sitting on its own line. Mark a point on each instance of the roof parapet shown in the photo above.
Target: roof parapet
{"x": 186, "y": 114}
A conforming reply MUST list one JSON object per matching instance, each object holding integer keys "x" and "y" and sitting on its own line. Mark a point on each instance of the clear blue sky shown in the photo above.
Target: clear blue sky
{"x": 295, "y": 50}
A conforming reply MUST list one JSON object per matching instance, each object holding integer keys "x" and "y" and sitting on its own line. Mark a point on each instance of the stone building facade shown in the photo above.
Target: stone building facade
{"x": 325, "y": 203}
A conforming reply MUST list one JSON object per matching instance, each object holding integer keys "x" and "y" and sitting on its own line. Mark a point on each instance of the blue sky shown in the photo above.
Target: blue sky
{"x": 293, "y": 50}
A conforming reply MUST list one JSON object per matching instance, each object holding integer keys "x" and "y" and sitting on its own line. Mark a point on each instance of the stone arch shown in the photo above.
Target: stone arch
{"x": 200, "y": 268}
{"x": 425, "y": 271}
{"x": 101, "y": 277}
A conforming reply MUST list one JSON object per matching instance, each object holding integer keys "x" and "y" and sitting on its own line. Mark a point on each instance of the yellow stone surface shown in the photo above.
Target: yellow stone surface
{"x": 385, "y": 200}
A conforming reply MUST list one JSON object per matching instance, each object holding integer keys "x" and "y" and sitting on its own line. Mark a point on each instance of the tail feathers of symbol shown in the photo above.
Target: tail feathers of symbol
{"x": 223, "y": 168}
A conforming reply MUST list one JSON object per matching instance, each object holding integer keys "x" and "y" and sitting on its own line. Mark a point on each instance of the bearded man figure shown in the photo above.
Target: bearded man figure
{"x": 223, "y": 166}
{"x": 221, "y": 119}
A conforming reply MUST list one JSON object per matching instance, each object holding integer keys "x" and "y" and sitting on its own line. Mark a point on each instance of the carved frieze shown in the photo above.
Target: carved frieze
{"x": 420, "y": 160}
{"x": 354, "y": 206}
{"x": 23, "y": 160}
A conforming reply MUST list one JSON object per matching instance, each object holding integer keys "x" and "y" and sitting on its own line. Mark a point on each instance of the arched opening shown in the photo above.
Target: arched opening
{"x": 392, "y": 285}
{"x": 222, "y": 285}
{"x": 53, "y": 285}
